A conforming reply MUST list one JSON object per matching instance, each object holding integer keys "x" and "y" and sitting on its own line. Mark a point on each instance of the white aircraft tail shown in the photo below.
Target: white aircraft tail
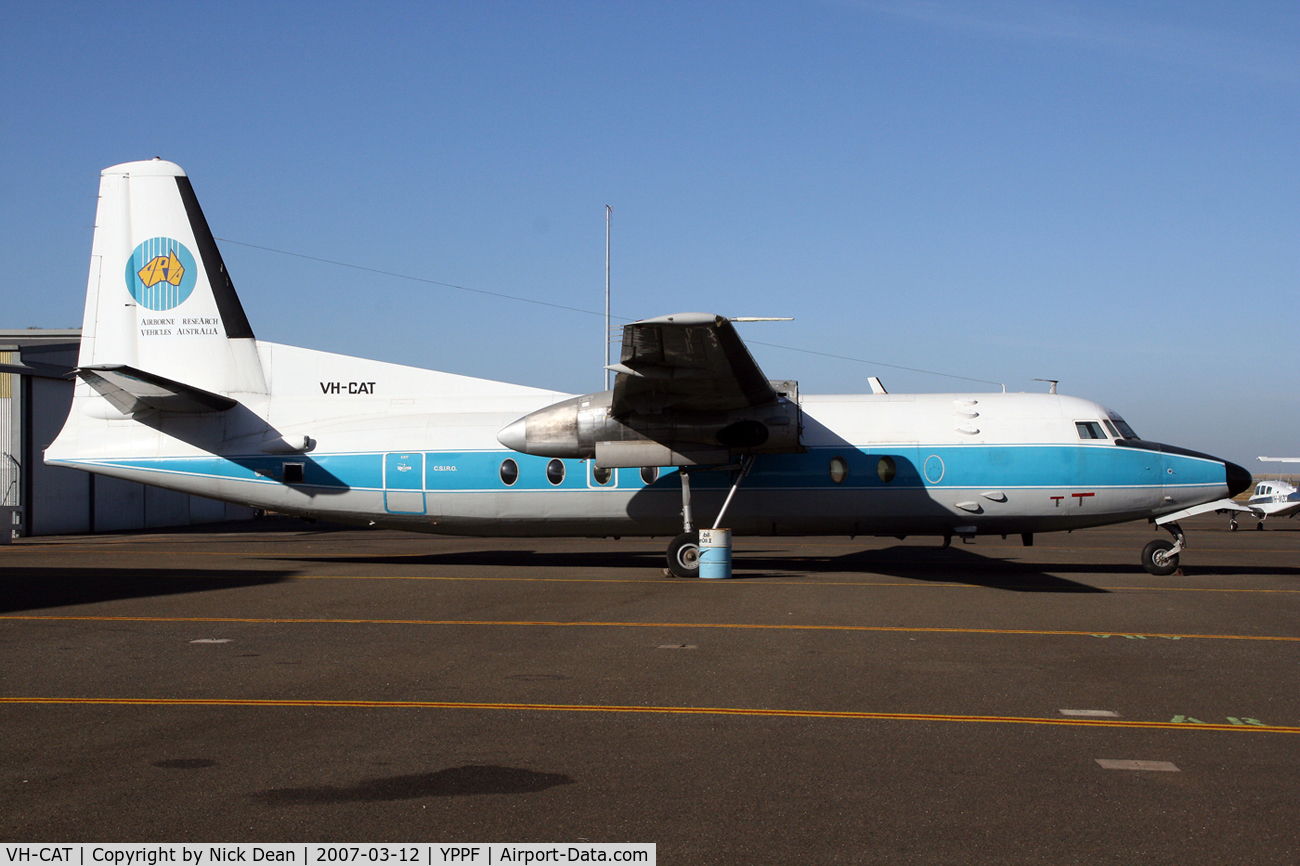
{"x": 163, "y": 327}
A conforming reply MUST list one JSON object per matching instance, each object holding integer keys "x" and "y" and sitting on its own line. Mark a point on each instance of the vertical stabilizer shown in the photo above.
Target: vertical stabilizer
{"x": 159, "y": 299}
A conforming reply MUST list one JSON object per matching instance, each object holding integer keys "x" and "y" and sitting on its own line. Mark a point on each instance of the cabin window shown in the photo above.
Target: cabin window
{"x": 649, "y": 474}
{"x": 1089, "y": 430}
{"x": 555, "y": 471}
{"x": 601, "y": 474}
{"x": 886, "y": 469}
{"x": 509, "y": 472}
{"x": 293, "y": 473}
{"x": 839, "y": 470}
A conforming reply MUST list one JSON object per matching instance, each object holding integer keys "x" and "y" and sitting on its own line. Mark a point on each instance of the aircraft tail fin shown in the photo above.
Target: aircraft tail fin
{"x": 160, "y": 305}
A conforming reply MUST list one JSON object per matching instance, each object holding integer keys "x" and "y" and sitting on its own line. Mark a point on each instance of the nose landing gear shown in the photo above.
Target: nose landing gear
{"x": 1160, "y": 557}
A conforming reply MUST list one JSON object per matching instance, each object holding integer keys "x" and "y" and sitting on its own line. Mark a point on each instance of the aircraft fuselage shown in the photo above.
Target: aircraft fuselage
{"x": 417, "y": 450}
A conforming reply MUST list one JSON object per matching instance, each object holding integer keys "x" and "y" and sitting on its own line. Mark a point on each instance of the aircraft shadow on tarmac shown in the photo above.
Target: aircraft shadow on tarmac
{"x": 951, "y": 565}
{"x": 27, "y": 588}
{"x": 453, "y": 782}
{"x": 946, "y": 565}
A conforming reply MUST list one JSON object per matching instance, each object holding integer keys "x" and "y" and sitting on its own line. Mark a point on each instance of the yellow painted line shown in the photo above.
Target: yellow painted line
{"x": 659, "y": 625}
{"x": 682, "y": 711}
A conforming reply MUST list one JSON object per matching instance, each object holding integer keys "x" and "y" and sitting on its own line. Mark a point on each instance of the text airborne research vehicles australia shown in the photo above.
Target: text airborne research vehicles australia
{"x": 175, "y": 390}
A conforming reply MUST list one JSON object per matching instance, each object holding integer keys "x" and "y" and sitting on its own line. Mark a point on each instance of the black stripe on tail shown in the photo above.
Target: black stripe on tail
{"x": 232, "y": 312}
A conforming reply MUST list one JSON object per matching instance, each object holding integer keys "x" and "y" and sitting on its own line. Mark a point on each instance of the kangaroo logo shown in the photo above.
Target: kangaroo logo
{"x": 160, "y": 274}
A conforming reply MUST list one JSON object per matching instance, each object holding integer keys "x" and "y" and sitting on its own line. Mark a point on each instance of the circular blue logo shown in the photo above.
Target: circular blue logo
{"x": 161, "y": 274}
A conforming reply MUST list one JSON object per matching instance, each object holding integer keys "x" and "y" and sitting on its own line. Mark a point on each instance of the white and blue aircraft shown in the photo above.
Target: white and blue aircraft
{"x": 174, "y": 390}
{"x": 1272, "y": 497}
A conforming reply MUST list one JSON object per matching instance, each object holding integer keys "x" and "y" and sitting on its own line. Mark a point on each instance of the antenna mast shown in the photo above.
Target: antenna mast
{"x": 605, "y": 363}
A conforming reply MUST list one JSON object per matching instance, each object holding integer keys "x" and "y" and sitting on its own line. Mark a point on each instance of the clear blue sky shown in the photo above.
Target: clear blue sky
{"x": 1105, "y": 193}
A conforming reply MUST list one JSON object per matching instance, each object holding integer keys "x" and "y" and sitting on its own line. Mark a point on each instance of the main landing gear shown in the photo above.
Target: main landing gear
{"x": 684, "y": 550}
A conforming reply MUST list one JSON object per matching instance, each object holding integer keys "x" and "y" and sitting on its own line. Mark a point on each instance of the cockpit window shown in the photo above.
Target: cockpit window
{"x": 1125, "y": 431}
{"x": 1089, "y": 430}
{"x": 1111, "y": 428}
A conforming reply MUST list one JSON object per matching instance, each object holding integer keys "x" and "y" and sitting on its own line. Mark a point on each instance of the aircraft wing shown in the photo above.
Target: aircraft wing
{"x": 694, "y": 362}
{"x": 131, "y": 390}
{"x": 1219, "y": 505}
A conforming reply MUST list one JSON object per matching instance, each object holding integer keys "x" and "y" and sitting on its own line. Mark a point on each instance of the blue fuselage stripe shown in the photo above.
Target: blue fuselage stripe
{"x": 971, "y": 466}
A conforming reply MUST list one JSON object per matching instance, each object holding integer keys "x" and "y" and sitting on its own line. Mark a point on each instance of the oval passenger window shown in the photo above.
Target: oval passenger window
{"x": 509, "y": 472}
{"x": 555, "y": 471}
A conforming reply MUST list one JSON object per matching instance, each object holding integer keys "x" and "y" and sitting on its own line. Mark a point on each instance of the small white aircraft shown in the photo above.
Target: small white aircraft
{"x": 175, "y": 391}
{"x": 1272, "y": 497}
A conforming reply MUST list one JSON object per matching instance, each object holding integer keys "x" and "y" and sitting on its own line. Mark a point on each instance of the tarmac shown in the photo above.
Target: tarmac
{"x": 836, "y": 701}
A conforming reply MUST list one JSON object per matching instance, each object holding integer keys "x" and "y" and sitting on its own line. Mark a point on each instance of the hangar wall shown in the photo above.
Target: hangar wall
{"x": 54, "y": 500}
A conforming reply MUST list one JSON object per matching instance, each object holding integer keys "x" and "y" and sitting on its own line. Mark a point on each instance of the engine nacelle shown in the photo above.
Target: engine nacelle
{"x": 582, "y": 427}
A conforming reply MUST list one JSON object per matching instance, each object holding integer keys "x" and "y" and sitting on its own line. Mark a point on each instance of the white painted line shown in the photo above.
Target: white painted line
{"x": 1091, "y": 714}
{"x": 1158, "y": 766}
{"x": 212, "y": 640}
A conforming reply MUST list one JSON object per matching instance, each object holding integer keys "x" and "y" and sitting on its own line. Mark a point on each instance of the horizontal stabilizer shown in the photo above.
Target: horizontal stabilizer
{"x": 40, "y": 371}
{"x": 131, "y": 390}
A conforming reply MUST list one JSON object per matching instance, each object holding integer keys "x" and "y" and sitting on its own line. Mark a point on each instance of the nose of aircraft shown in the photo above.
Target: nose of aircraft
{"x": 1238, "y": 478}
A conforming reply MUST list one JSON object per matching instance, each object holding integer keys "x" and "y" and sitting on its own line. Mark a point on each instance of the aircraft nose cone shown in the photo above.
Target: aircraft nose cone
{"x": 1238, "y": 478}
{"x": 515, "y": 435}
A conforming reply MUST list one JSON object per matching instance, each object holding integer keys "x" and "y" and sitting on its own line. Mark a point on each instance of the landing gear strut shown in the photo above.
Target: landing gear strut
{"x": 684, "y": 550}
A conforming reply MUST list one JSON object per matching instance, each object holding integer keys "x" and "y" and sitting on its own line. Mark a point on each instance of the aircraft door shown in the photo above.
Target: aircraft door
{"x": 404, "y": 483}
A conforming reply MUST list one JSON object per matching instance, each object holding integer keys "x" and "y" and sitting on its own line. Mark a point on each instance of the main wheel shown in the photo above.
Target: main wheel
{"x": 1232, "y": 524}
{"x": 684, "y": 555}
{"x": 1156, "y": 558}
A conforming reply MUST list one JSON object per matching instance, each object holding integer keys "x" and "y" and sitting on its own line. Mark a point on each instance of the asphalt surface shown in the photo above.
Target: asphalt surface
{"x": 837, "y": 701}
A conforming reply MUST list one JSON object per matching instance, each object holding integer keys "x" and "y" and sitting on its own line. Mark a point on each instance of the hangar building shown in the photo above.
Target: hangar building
{"x": 36, "y": 382}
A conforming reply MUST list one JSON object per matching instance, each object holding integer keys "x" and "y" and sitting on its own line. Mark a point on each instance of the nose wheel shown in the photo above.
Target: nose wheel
{"x": 1160, "y": 557}
{"x": 1157, "y": 558}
